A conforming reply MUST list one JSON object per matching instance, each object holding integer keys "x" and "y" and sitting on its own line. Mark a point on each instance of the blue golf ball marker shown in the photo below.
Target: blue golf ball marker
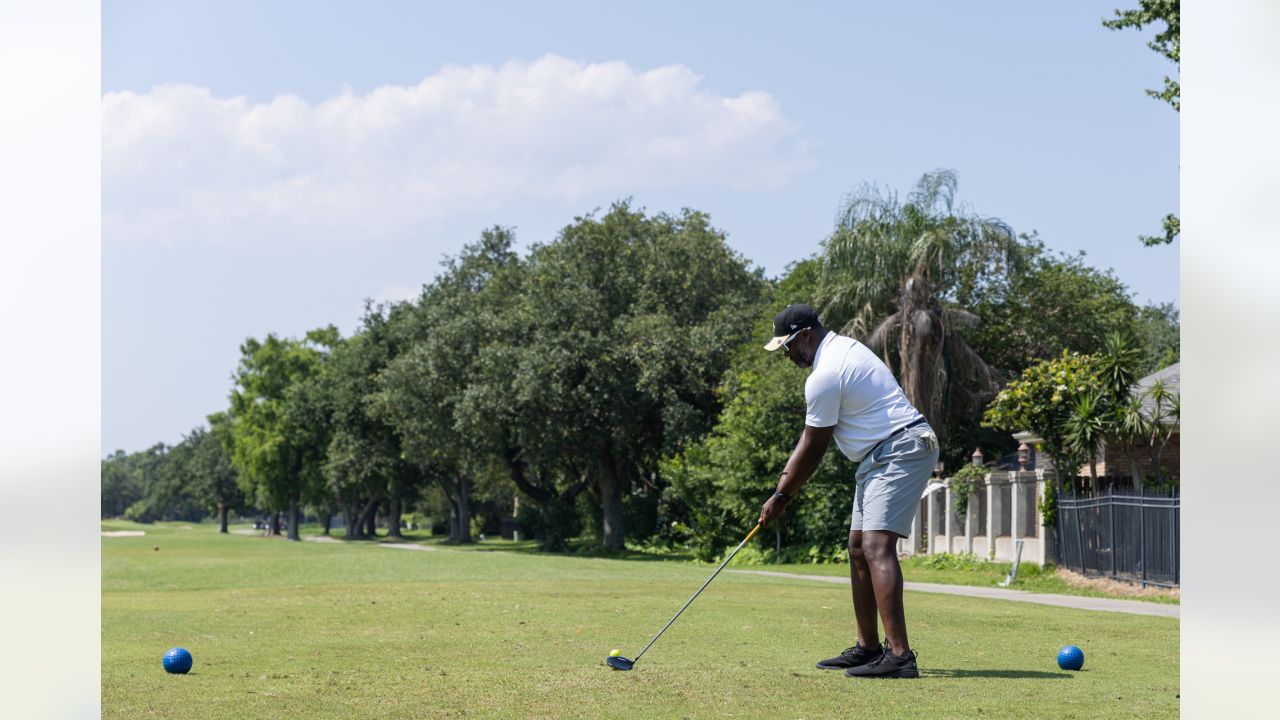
{"x": 177, "y": 661}
{"x": 1070, "y": 657}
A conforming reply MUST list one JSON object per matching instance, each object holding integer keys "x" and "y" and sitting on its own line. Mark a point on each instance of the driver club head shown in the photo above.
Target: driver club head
{"x": 617, "y": 662}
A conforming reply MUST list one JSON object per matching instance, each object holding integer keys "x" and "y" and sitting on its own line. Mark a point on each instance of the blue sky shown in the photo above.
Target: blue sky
{"x": 267, "y": 166}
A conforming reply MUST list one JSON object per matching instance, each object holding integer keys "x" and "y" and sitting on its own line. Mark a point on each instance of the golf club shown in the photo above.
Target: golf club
{"x": 617, "y": 662}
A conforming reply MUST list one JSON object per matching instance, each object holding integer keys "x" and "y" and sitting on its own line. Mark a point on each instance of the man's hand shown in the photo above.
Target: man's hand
{"x": 772, "y": 510}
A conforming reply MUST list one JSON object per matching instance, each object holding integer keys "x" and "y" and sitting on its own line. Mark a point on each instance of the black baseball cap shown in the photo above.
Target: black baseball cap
{"x": 790, "y": 321}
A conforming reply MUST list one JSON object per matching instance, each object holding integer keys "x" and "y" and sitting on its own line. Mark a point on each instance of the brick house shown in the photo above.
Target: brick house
{"x": 1116, "y": 459}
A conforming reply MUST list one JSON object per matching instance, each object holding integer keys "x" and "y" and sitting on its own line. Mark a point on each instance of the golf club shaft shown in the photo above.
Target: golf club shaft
{"x": 745, "y": 540}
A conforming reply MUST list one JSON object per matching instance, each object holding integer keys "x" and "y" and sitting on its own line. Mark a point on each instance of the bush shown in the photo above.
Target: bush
{"x": 963, "y": 485}
{"x": 949, "y": 561}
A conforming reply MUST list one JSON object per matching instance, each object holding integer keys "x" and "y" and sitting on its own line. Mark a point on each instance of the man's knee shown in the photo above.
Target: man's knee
{"x": 879, "y": 545}
{"x": 855, "y": 546}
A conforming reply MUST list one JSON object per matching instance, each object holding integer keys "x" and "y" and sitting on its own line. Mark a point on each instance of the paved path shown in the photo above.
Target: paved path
{"x": 1080, "y": 602}
{"x": 401, "y": 546}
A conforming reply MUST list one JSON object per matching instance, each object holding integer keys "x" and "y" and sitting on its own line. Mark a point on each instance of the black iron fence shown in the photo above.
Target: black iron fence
{"x": 1127, "y": 535}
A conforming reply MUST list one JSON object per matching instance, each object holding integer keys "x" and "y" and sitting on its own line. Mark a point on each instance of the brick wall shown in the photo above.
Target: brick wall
{"x": 1115, "y": 459}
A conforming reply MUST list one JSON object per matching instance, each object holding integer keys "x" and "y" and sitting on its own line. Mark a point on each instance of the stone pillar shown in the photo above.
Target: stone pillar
{"x": 949, "y": 522}
{"x": 931, "y": 526}
{"x": 1016, "y": 512}
{"x": 968, "y": 527}
{"x": 913, "y": 543}
{"x": 1046, "y": 552}
{"x": 995, "y": 508}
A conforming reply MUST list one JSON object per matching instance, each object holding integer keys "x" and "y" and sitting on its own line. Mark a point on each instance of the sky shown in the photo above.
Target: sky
{"x": 267, "y": 167}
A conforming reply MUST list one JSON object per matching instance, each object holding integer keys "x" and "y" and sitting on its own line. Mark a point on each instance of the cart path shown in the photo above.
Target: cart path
{"x": 1079, "y": 602}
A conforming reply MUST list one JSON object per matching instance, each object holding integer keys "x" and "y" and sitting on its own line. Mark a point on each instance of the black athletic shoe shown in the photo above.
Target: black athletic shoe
{"x": 856, "y": 656}
{"x": 888, "y": 666}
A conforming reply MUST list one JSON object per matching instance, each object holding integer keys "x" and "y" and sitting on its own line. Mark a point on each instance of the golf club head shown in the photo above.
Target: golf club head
{"x": 617, "y": 662}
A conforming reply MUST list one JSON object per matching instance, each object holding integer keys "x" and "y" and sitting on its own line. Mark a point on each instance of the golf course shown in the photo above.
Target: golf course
{"x": 370, "y": 629}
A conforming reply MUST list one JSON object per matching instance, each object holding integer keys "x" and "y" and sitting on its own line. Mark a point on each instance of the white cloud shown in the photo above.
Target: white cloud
{"x": 180, "y": 164}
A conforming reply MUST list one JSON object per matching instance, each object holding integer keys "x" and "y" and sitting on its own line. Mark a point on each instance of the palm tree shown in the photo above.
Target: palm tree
{"x": 1086, "y": 427}
{"x": 1123, "y": 414}
{"x": 1165, "y": 409}
{"x": 887, "y": 273}
{"x": 1132, "y": 428}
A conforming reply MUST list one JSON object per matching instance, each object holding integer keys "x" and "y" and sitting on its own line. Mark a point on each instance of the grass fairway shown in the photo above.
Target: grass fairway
{"x": 314, "y": 630}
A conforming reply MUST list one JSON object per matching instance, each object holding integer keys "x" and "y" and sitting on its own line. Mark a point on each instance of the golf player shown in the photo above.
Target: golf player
{"x": 852, "y": 396}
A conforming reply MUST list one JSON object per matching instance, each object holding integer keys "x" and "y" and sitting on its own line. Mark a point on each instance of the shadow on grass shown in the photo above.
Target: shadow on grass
{"x": 1005, "y": 674}
{"x": 575, "y": 548}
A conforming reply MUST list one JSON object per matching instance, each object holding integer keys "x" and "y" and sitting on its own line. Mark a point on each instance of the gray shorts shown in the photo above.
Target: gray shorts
{"x": 890, "y": 480}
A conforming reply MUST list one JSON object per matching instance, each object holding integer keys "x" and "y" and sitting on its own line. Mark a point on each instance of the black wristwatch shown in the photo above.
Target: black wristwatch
{"x": 782, "y": 495}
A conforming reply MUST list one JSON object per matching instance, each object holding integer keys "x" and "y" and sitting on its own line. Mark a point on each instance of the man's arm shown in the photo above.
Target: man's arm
{"x": 800, "y": 466}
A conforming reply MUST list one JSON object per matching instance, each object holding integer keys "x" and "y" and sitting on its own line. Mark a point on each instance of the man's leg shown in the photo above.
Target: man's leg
{"x": 880, "y": 550}
{"x": 864, "y": 595}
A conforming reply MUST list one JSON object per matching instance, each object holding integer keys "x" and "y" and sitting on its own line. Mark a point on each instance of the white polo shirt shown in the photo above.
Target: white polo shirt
{"x": 852, "y": 389}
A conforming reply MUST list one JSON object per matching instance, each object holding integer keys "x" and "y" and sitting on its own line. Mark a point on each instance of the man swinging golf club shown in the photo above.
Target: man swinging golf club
{"x": 852, "y": 396}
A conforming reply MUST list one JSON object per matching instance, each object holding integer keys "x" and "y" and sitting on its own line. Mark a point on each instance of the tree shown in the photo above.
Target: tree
{"x": 121, "y": 484}
{"x": 719, "y": 481}
{"x": 422, "y": 390}
{"x": 1052, "y": 302}
{"x": 889, "y": 273}
{"x": 366, "y": 463}
{"x": 1158, "y": 335}
{"x": 279, "y": 437}
{"x": 1085, "y": 428}
{"x": 633, "y": 319}
{"x": 213, "y": 474}
{"x": 1043, "y": 400}
{"x": 1168, "y": 44}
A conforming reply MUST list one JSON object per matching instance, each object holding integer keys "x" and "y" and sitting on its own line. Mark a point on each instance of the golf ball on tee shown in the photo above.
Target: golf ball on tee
{"x": 615, "y": 653}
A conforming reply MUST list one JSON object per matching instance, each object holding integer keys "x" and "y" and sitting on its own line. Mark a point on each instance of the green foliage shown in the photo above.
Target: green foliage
{"x": 1167, "y": 42}
{"x": 278, "y": 427}
{"x": 1171, "y": 226}
{"x": 635, "y": 344}
{"x": 957, "y": 561}
{"x": 1086, "y": 425}
{"x": 1055, "y": 303}
{"x": 963, "y": 485}
{"x": 880, "y": 242}
{"x": 614, "y": 377}
{"x": 1158, "y": 337}
{"x": 718, "y": 483}
{"x": 154, "y": 484}
{"x": 1048, "y": 505}
{"x": 920, "y": 258}
{"x": 213, "y": 475}
{"x": 1042, "y": 401}
{"x": 123, "y": 480}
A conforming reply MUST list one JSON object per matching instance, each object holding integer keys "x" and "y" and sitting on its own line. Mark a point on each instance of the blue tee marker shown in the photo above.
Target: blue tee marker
{"x": 177, "y": 660}
{"x": 1070, "y": 658}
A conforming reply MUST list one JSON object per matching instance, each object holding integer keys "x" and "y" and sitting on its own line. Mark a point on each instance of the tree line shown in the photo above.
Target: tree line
{"x": 612, "y": 379}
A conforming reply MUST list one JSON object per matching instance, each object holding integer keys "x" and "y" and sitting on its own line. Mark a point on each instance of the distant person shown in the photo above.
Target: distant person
{"x": 851, "y": 395}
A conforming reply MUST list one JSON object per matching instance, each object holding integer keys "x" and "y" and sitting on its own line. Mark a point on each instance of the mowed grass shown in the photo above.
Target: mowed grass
{"x": 315, "y": 630}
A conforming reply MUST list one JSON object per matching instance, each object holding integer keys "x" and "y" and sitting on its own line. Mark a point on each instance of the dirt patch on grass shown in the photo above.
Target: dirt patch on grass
{"x": 1117, "y": 587}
